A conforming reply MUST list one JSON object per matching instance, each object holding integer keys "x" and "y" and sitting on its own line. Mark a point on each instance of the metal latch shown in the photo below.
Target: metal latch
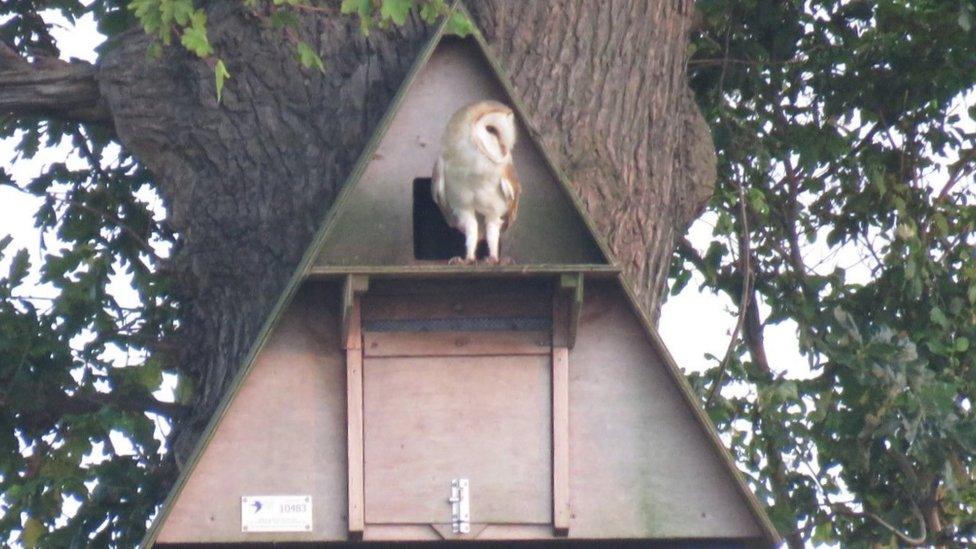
{"x": 460, "y": 506}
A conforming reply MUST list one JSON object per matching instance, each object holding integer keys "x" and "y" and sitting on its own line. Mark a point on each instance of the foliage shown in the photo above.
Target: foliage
{"x": 840, "y": 137}
{"x": 187, "y": 19}
{"x": 78, "y": 418}
{"x": 846, "y": 135}
{"x": 81, "y": 365}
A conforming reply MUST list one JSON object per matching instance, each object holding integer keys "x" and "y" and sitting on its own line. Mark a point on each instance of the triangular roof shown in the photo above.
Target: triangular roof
{"x": 316, "y": 263}
{"x": 369, "y": 226}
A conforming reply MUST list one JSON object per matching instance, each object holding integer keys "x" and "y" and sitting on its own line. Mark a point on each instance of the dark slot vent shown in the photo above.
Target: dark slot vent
{"x": 433, "y": 238}
{"x": 478, "y": 324}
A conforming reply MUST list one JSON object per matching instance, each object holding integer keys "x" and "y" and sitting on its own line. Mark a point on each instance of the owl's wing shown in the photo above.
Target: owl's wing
{"x": 438, "y": 191}
{"x": 511, "y": 191}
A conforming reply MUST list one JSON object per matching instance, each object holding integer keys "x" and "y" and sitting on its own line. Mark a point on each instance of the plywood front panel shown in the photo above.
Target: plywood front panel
{"x": 284, "y": 434}
{"x": 641, "y": 466}
{"x": 456, "y": 343}
{"x": 463, "y": 304}
{"x": 430, "y": 420}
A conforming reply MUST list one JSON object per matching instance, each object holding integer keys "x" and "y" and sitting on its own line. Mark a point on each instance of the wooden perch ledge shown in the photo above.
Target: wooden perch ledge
{"x": 49, "y": 87}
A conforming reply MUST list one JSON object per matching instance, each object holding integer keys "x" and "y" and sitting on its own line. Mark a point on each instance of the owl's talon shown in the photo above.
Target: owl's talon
{"x": 458, "y": 260}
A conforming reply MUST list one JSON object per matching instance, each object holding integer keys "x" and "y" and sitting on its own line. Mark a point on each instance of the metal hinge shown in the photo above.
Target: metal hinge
{"x": 460, "y": 506}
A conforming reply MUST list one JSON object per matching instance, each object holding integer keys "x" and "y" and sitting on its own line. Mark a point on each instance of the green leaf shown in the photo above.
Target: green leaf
{"x": 362, "y": 8}
{"x": 965, "y": 20}
{"x": 757, "y": 201}
{"x": 195, "y": 36}
{"x": 939, "y": 317}
{"x": 19, "y": 268}
{"x": 309, "y": 58}
{"x": 184, "y": 390}
{"x": 396, "y": 10}
{"x": 680, "y": 281}
{"x": 910, "y": 269}
{"x": 177, "y": 11}
{"x": 459, "y": 25}
{"x": 962, "y": 344}
{"x": 282, "y": 19}
{"x": 148, "y": 375}
{"x": 31, "y": 535}
{"x": 154, "y": 51}
{"x": 432, "y": 9}
{"x": 220, "y": 75}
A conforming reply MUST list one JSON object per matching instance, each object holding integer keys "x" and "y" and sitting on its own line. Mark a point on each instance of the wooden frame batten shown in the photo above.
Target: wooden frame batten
{"x": 352, "y": 341}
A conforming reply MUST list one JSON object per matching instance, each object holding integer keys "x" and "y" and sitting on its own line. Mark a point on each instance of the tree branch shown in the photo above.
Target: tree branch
{"x": 904, "y": 538}
{"x": 744, "y": 256}
{"x": 58, "y": 404}
{"x": 50, "y": 87}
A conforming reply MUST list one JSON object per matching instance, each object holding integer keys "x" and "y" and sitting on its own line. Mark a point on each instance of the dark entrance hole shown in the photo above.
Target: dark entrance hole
{"x": 433, "y": 238}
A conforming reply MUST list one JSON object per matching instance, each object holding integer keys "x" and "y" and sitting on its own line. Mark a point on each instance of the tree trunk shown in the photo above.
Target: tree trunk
{"x": 248, "y": 181}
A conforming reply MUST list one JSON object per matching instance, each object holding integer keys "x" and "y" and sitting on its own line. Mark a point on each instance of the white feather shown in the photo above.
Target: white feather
{"x": 437, "y": 185}
{"x": 507, "y": 189}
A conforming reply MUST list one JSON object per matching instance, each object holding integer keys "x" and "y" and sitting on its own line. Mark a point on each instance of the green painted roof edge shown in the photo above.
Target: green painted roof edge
{"x": 293, "y": 284}
{"x": 755, "y": 506}
{"x": 467, "y": 270}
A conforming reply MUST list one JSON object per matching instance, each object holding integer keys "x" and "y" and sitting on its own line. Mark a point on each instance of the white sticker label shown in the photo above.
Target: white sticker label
{"x": 276, "y": 513}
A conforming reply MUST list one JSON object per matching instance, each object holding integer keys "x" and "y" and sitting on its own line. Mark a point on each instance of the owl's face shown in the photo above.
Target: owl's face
{"x": 493, "y": 132}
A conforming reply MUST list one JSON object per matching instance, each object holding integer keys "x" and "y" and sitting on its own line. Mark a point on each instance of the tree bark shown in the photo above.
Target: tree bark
{"x": 248, "y": 181}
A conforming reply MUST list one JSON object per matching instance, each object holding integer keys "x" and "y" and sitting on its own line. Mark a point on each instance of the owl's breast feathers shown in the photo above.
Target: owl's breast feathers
{"x": 490, "y": 193}
{"x": 474, "y": 172}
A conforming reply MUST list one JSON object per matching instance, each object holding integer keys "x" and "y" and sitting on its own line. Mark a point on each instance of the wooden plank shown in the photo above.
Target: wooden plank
{"x": 489, "y": 305}
{"x": 401, "y": 532}
{"x": 457, "y": 286}
{"x": 516, "y": 532}
{"x": 352, "y": 341}
{"x": 353, "y": 287}
{"x": 568, "y": 306}
{"x": 432, "y": 419}
{"x": 437, "y": 532}
{"x": 443, "y": 270}
{"x": 354, "y": 442}
{"x": 446, "y": 531}
{"x": 560, "y": 440}
{"x": 504, "y": 343}
{"x": 560, "y": 320}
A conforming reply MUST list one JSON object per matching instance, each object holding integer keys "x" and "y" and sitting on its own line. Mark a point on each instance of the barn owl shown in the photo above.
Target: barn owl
{"x": 474, "y": 181}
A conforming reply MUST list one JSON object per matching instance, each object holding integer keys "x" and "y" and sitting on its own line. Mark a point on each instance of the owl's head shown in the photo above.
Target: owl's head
{"x": 493, "y": 130}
